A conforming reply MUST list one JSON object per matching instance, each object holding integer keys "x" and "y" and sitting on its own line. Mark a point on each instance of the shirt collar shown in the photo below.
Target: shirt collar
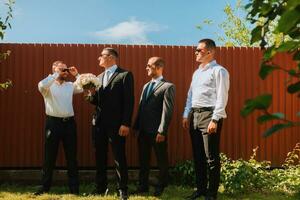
{"x": 208, "y": 65}
{"x": 158, "y": 79}
{"x": 58, "y": 83}
{"x": 111, "y": 69}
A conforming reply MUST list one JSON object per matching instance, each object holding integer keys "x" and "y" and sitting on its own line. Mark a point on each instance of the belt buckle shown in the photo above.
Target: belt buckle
{"x": 65, "y": 119}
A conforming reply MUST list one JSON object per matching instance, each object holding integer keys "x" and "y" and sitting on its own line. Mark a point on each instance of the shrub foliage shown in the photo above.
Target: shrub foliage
{"x": 241, "y": 176}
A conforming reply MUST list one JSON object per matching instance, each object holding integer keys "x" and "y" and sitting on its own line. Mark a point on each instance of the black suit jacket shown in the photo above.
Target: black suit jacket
{"x": 155, "y": 112}
{"x": 114, "y": 103}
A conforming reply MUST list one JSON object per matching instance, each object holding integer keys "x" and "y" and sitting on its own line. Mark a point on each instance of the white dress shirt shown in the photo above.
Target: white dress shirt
{"x": 58, "y": 97}
{"x": 157, "y": 80}
{"x": 110, "y": 71}
{"x": 209, "y": 88}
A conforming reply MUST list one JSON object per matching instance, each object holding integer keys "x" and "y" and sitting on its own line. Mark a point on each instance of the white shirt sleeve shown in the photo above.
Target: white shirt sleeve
{"x": 45, "y": 84}
{"x": 77, "y": 88}
{"x": 222, "y": 87}
{"x": 188, "y": 104}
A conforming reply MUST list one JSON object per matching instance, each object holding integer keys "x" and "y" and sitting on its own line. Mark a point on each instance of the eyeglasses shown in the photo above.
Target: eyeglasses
{"x": 150, "y": 66}
{"x": 104, "y": 55}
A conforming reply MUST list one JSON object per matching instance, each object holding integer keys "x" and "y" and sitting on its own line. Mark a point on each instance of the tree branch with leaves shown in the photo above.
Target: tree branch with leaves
{"x": 286, "y": 15}
{"x": 4, "y": 25}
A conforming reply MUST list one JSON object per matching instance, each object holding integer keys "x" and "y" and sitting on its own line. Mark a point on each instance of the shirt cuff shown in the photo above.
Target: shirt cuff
{"x": 186, "y": 113}
{"x": 215, "y": 118}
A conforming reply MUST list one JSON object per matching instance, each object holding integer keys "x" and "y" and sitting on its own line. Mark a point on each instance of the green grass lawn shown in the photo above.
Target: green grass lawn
{"x": 21, "y": 192}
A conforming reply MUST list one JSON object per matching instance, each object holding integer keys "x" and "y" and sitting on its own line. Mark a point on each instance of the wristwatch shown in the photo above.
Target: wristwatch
{"x": 215, "y": 121}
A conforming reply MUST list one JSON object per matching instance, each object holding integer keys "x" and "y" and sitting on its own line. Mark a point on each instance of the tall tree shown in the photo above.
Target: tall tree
{"x": 4, "y": 24}
{"x": 234, "y": 30}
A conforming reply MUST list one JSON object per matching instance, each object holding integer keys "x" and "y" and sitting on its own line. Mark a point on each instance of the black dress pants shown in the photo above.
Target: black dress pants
{"x": 102, "y": 137}
{"x": 145, "y": 143}
{"x": 206, "y": 152}
{"x": 59, "y": 129}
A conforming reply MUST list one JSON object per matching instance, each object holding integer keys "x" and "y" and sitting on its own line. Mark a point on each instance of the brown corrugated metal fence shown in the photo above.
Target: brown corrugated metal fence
{"x": 22, "y": 110}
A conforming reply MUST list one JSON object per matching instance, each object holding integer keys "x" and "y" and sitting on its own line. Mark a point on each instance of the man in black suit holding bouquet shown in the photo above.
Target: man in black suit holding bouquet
{"x": 114, "y": 102}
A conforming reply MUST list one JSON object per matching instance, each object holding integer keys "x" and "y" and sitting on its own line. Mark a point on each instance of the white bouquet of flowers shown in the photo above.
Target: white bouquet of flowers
{"x": 88, "y": 81}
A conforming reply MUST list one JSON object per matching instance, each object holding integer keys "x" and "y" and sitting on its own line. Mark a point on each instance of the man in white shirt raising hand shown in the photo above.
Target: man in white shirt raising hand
{"x": 60, "y": 124}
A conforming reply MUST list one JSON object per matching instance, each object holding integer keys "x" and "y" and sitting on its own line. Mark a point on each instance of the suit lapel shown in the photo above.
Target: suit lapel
{"x": 100, "y": 76}
{"x": 156, "y": 88}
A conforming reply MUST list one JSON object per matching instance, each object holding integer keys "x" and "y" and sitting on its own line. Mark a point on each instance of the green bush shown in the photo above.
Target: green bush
{"x": 183, "y": 173}
{"x": 241, "y": 176}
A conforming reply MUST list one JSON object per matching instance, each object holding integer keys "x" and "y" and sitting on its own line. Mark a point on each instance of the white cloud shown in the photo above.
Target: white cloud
{"x": 130, "y": 32}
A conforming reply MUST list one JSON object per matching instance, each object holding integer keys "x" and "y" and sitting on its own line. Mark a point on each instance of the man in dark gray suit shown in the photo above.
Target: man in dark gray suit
{"x": 152, "y": 122}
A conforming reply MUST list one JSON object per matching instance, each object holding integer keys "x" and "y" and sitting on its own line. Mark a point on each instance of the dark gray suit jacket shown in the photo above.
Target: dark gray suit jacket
{"x": 155, "y": 112}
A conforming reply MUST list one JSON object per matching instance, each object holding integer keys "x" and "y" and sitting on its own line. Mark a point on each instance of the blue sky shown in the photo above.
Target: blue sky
{"x": 165, "y": 22}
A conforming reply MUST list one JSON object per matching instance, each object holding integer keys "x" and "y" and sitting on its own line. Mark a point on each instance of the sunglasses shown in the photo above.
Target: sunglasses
{"x": 65, "y": 70}
{"x": 104, "y": 55}
{"x": 200, "y": 50}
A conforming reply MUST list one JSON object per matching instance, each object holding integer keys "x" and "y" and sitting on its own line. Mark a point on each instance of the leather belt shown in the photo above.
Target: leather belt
{"x": 63, "y": 119}
{"x": 202, "y": 109}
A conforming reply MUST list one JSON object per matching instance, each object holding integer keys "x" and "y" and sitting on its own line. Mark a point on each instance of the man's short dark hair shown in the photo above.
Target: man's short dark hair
{"x": 209, "y": 43}
{"x": 112, "y": 51}
{"x": 159, "y": 62}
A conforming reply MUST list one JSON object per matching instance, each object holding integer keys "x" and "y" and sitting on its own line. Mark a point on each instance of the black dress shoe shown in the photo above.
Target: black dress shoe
{"x": 123, "y": 195}
{"x": 195, "y": 195}
{"x": 210, "y": 198}
{"x": 158, "y": 191}
{"x": 41, "y": 191}
{"x": 100, "y": 191}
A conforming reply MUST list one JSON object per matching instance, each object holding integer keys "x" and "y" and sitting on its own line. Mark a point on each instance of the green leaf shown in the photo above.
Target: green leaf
{"x": 249, "y": 5}
{"x": 265, "y": 9}
{"x": 269, "y": 53}
{"x": 199, "y": 27}
{"x": 296, "y": 55}
{"x": 298, "y": 114}
{"x": 288, "y": 20}
{"x": 256, "y": 34}
{"x": 265, "y": 70}
{"x": 273, "y": 116}
{"x": 276, "y": 127}
{"x": 287, "y": 46}
{"x": 292, "y": 72}
{"x": 293, "y": 88}
{"x": 260, "y": 102}
{"x": 292, "y": 4}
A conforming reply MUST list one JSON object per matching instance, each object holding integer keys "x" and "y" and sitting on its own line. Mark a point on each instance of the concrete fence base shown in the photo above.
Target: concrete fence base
{"x": 30, "y": 176}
